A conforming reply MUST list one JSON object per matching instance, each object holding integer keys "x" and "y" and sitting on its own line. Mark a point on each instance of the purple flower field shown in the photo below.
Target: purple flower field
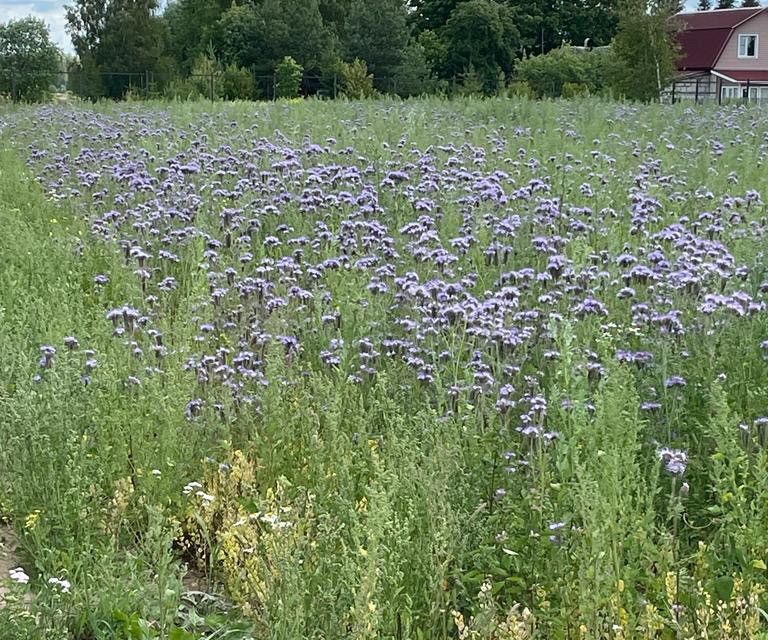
{"x": 483, "y": 369}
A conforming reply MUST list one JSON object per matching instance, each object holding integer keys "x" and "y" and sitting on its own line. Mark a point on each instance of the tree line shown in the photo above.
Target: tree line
{"x": 408, "y": 47}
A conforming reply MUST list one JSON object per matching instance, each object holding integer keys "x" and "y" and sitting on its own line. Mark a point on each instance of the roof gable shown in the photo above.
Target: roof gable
{"x": 703, "y": 34}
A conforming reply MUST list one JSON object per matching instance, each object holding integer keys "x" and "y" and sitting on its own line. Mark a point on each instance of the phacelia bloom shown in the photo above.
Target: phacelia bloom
{"x": 675, "y": 381}
{"x": 675, "y": 460}
{"x": 194, "y": 408}
{"x": 590, "y": 306}
{"x": 46, "y": 361}
{"x": 330, "y": 359}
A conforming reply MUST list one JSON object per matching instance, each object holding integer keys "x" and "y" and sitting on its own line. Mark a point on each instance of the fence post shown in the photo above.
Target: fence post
{"x": 674, "y": 86}
{"x": 696, "y": 97}
{"x": 274, "y": 86}
{"x": 210, "y": 81}
{"x": 335, "y": 86}
{"x": 746, "y": 93}
{"x": 13, "y": 87}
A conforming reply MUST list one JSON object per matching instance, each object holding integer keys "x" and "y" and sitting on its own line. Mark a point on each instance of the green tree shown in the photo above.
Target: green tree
{"x": 581, "y": 20}
{"x": 288, "y": 75}
{"x": 414, "y": 75}
{"x": 750, "y": 3}
{"x": 85, "y": 25}
{"x": 190, "y": 26}
{"x": 236, "y": 36}
{"x": 377, "y": 31}
{"x": 646, "y": 50}
{"x": 704, "y": 5}
{"x": 133, "y": 42}
{"x": 539, "y": 22}
{"x": 293, "y": 28}
{"x": 356, "y": 82}
{"x": 726, "y": 4}
{"x": 481, "y": 33}
{"x": 334, "y": 13}
{"x": 432, "y": 14}
{"x": 29, "y": 61}
{"x": 260, "y": 36}
{"x": 543, "y": 24}
{"x": 114, "y": 37}
{"x": 435, "y": 50}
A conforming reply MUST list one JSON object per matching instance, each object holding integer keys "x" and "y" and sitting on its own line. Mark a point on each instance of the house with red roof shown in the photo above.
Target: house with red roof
{"x": 724, "y": 55}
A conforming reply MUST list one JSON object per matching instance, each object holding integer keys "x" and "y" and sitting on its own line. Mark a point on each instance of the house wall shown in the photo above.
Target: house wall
{"x": 729, "y": 58}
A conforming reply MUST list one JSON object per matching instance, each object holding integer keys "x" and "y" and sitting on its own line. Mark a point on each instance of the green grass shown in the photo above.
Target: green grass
{"x": 372, "y": 511}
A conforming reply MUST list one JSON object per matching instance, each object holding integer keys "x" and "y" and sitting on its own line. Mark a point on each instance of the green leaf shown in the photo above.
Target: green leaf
{"x": 724, "y": 587}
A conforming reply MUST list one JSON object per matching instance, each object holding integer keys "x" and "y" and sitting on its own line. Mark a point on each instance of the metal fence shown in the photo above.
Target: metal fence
{"x": 26, "y": 85}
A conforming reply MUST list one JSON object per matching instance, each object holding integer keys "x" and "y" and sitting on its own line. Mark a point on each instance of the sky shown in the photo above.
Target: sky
{"x": 52, "y": 11}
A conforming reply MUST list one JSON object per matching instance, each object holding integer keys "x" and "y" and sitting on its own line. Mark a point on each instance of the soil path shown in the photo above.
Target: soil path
{"x": 8, "y": 558}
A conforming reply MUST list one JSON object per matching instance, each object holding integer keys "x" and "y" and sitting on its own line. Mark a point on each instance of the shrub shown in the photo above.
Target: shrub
{"x": 181, "y": 89}
{"x": 520, "y": 89}
{"x": 84, "y": 79}
{"x": 288, "y": 75}
{"x": 356, "y": 82}
{"x": 548, "y": 74}
{"x": 237, "y": 83}
{"x": 471, "y": 83}
{"x": 204, "y": 77}
{"x": 574, "y": 90}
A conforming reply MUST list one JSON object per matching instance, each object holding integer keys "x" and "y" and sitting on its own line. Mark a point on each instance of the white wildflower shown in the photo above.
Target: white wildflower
{"x": 18, "y": 575}
{"x": 63, "y": 585}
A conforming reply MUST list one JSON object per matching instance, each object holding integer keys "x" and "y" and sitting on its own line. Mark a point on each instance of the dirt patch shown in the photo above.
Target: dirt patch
{"x": 194, "y": 581}
{"x": 9, "y": 559}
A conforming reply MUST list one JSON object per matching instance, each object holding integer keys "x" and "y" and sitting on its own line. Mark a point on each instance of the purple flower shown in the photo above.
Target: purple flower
{"x": 194, "y": 408}
{"x": 675, "y": 381}
{"x": 46, "y": 361}
{"x": 675, "y": 460}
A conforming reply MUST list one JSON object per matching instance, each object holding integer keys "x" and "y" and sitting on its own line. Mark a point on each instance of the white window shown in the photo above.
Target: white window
{"x": 758, "y": 95}
{"x": 731, "y": 92}
{"x": 748, "y": 45}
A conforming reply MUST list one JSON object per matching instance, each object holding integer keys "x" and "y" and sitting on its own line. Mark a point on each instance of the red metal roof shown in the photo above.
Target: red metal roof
{"x": 743, "y": 76}
{"x": 704, "y": 34}
{"x": 717, "y": 18}
{"x": 701, "y": 49}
